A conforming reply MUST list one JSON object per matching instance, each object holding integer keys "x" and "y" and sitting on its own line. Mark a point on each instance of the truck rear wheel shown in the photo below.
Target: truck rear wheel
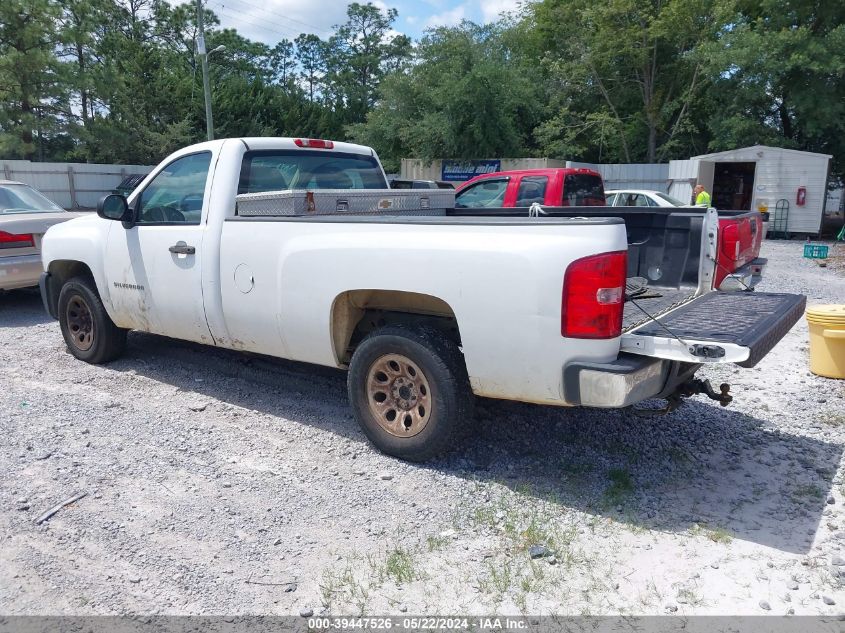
{"x": 87, "y": 328}
{"x": 409, "y": 391}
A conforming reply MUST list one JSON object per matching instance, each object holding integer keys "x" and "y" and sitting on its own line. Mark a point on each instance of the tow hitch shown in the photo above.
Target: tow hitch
{"x": 688, "y": 389}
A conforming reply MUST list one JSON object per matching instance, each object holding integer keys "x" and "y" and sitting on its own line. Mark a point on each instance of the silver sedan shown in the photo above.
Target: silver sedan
{"x": 25, "y": 215}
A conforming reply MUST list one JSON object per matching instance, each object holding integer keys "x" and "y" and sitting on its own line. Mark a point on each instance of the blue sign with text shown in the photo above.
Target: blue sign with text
{"x": 460, "y": 170}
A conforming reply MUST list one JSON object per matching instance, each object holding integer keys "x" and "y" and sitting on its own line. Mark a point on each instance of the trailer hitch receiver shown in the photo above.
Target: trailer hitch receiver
{"x": 688, "y": 389}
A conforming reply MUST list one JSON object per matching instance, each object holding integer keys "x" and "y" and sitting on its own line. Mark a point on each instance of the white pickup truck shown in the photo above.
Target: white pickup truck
{"x": 591, "y": 306}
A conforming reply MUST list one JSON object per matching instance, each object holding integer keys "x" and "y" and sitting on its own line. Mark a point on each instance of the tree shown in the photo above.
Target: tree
{"x": 310, "y": 54}
{"x": 360, "y": 53}
{"x": 464, "y": 97}
{"x": 31, "y": 86}
{"x": 778, "y": 74}
{"x": 78, "y": 21}
{"x": 626, "y": 71}
{"x": 282, "y": 63}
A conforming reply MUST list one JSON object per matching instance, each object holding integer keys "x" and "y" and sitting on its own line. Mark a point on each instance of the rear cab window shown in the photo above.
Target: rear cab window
{"x": 277, "y": 170}
{"x": 583, "y": 190}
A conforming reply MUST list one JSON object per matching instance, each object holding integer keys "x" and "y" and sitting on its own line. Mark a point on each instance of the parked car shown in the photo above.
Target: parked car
{"x": 586, "y": 306}
{"x": 739, "y": 265}
{"x": 25, "y": 215}
{"x": 642, "y": 198}
{"x": 560, "y": 187}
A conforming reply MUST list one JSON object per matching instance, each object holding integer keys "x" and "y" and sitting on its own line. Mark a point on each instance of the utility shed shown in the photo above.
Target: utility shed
{"x": 790, "y": 184}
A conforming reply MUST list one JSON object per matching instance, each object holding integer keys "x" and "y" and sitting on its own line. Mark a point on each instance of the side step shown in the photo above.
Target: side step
{"x": 752, "y": 320}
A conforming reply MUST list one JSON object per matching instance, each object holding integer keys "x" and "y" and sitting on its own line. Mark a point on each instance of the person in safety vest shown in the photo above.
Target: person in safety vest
{"x": 701, "y": 196}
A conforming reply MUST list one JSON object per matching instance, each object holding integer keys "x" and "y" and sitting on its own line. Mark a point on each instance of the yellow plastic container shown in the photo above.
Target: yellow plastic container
{"x": 827, "y": 340}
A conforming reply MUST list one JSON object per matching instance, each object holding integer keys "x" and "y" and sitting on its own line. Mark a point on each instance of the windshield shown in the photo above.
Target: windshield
{"x": 24, "y": 199}
{"x": 673, "y": 201}
{"x": 276, "y": 170}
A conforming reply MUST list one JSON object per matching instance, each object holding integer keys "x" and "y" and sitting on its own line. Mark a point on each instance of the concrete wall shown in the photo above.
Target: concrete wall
{"x": 70, "y": 185}
{"x": 416, "y": 169}
{"x": 622, "y": 176}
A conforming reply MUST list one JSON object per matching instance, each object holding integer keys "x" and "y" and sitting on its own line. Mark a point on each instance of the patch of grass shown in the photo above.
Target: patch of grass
{"x": 679, "y": 456}
{"x": 719, "y": 535}
{"x": 621, "y": 487}
{"x": 688, "y": 596}
{"x": 435, "y": 542}
{"x": 484, "y": 515}
{"x": 399, "y": 566}
{"x": 576, "y": 469}
{"x": 833, "y": 419}
{"x": 343, "y": 585}
{"x": 807, "y": 491}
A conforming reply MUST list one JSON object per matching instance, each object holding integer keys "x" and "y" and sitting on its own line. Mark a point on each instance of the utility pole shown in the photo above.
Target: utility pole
{"x": 206, "y": 87}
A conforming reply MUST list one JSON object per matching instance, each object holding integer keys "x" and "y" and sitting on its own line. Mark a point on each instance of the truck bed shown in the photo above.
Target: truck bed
{"x": 655, "y": 303}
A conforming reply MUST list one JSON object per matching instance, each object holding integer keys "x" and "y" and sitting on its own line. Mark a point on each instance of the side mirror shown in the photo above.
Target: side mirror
{"x": 113, "y": 207}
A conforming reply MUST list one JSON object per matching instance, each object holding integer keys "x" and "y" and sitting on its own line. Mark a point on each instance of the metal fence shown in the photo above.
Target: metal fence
{"x": 70, "y": 185}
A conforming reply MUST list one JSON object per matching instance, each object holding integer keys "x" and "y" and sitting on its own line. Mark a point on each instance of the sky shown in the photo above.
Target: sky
{"x": 271, "y": 20}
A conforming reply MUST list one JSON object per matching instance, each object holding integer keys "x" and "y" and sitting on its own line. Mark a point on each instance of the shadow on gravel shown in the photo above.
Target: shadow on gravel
{"x": 22, "y": 308}
{"x": 716, "y": 471}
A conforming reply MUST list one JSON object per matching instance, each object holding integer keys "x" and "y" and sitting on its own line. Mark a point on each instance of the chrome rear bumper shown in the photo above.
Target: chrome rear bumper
{"x": 626, "y": 381}
{"x": 20, "y": 271}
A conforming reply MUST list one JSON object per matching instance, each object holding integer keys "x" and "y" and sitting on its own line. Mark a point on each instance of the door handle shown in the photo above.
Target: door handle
{"x": 180, "y": 248}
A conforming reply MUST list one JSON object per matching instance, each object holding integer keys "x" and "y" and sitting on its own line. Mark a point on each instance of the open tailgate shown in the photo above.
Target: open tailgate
{"x": 718, "y": 327}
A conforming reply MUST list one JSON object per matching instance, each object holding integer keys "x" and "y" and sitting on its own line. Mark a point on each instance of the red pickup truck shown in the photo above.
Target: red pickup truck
{"x": 567, "y": 187}
{"x": 738, "y": 264}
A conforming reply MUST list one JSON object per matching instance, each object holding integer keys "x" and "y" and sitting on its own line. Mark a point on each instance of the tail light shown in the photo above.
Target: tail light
{"x": 16, "y": 240}
{"x": 594, "y": 296}
{"x": 730, "y": 240}
{"x": 314, "y": 143}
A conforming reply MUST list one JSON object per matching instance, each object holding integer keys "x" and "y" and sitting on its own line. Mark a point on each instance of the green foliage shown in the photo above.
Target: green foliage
{"x": 467, "y": 95}
{"x": 30, "y": 75}
{"x": 778, "y": 74}
{"x": 619, "y": 80}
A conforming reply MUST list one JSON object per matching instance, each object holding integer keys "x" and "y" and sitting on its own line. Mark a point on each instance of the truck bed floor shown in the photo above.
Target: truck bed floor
{"x": 656, "y": 301}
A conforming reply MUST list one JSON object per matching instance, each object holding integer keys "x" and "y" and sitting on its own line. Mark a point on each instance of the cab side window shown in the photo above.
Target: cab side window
{"x": 531, "y": 189}
{"x": 176, "y": 194}
{"x": 484, "y": 194}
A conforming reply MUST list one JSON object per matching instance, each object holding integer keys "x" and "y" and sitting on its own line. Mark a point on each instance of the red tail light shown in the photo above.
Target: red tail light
{"x": 14, "y": 240}
{"x": 314, "y": 143}
{"x": 730, "y": 240}
{"x": 594, "y": 296}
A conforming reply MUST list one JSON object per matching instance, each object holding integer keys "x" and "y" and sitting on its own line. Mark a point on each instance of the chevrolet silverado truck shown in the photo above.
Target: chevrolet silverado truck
{"x": 572, "y": 306}
{"x": 738, "y": 262}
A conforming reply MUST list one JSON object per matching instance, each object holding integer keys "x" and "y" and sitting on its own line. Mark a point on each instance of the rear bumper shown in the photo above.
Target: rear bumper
{"x": 746, "y": 277}
{"x": 19, "y": 272}
{"x": 621, "y": 383}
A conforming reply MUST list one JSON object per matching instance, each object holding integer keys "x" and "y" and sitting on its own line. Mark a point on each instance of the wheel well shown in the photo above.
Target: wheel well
{"x": 60, "y": 271}
{"x": 63, "y": 269}
{"x": 356, "y": 313}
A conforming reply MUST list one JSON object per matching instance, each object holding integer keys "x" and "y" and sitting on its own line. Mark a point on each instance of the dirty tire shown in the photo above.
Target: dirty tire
{"x": 423, "y": 355}
{"x": 86, "y": 327}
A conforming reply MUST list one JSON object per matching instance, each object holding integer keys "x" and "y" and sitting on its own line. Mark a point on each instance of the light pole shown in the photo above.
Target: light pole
{"x": 203, "y": 55}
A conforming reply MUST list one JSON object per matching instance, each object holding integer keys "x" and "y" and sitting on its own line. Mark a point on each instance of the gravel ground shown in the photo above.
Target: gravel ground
{"x": 224, "y": 484}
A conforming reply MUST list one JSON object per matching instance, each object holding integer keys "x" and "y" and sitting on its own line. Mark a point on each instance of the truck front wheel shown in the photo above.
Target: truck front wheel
{"x": 409, "y": 391}
{"x": 87, "y": 329}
